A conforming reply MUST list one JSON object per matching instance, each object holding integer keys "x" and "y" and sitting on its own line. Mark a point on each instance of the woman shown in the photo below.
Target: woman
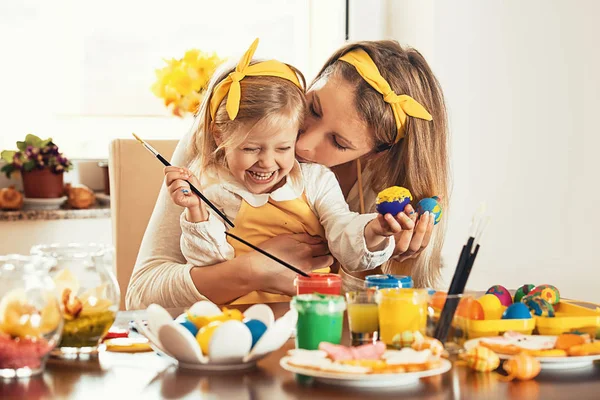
{"x": 353, "y": 129}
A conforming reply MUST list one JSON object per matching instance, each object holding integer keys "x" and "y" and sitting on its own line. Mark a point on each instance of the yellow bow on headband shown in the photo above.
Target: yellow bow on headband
{"x": 402, "y": 105}
{"x": 231, "y": 84}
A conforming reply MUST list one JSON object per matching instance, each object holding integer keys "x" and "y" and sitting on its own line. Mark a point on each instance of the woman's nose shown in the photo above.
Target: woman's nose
{"x": 307, "y": 142}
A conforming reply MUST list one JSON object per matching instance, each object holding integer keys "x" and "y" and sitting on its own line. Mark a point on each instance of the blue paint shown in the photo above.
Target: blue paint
{"x": 389, "y": 281}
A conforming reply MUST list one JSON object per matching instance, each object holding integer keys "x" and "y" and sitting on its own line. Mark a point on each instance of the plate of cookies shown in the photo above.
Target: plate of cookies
{"x": 366, "y": 366}
{"x": 568, "y": 350}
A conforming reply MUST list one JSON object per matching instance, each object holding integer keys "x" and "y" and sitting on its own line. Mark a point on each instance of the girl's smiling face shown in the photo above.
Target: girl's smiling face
{"x": 333, "y": 132}
{"x": 265, "y": 157}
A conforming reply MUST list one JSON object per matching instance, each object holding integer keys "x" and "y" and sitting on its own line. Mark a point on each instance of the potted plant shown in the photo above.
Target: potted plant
{"x": 41, "y": 165}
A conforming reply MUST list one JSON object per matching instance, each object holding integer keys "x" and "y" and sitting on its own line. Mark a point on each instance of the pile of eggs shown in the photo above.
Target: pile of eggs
{"x": 205, "y": 334}
{"x": 498, "y": 303}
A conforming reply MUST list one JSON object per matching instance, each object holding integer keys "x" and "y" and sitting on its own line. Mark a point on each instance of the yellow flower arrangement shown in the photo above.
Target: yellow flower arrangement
{"x": 181, "y": 84}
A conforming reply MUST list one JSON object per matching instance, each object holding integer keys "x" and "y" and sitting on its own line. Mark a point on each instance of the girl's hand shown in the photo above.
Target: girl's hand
{"x": 181, "y": 194}
{"x": 378, "y": 229}
{"x": 301, "y": 250}
{"x": 411, "y": 242}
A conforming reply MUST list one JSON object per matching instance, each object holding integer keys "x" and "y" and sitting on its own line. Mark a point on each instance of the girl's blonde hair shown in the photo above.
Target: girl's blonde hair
{"x": 419, "y": 161}
{"x": 272, "y": 100}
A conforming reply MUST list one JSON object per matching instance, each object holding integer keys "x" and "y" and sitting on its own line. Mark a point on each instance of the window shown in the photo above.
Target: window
{"x": 81, "y": 72}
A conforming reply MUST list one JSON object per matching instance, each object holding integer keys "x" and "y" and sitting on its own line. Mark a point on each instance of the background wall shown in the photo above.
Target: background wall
{"x": 522, "y": 87}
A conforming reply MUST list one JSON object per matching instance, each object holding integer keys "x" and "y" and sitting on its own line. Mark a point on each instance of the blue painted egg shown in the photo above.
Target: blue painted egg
{"x": 257, "y": 329}
{"x": 517, "y": 311}
{"x": 432, "y": 205}
{"x": 393, "y": 200}
{"x": 538, "y": 306}
{"x": 187, "y": 324}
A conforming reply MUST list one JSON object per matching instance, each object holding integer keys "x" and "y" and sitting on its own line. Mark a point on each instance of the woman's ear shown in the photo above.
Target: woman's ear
{"x": 218, "y": 139}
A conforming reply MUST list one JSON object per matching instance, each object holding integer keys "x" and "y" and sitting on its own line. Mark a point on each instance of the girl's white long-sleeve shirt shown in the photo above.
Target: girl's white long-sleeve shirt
{"x": 205, "y": 243}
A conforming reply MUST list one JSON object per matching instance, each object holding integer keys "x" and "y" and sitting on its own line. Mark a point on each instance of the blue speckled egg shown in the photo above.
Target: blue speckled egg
{"x": 538, "y": 306}
{"x": 257, "y": 329}
{"x": 516, "y": 311}
{"x": 432, "y": 205}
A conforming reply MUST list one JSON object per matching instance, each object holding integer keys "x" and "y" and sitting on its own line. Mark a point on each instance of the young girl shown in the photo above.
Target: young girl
{"x": 244, "y": 148}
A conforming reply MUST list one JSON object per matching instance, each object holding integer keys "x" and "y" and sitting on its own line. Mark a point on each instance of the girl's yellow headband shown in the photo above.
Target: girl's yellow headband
{"x": 231, "y": 84}
{"x": 402, "y": 105}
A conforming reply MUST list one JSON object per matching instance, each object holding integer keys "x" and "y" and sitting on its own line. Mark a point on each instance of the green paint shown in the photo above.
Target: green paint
{"x": 320, "y": 319}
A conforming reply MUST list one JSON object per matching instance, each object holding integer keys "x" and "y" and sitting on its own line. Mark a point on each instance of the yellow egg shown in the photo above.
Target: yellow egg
{"x": 492, "y": 308}
{"x": 205, "y": 334}
{"x": 226, "y": 315}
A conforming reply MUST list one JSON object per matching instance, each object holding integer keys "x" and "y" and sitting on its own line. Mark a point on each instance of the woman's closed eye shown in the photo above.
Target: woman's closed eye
{"x": 337, "y": 144}
{"x": 313, "y": 111}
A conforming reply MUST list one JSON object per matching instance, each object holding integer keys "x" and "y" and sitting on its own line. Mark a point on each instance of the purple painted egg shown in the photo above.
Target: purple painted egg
{"x": 502, "y": 294}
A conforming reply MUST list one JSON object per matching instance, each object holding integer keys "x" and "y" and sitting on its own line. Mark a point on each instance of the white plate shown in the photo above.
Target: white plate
{"x": 43, "y": 204}
{"x": 366, "y": 380}
{"x": 103, "y": 198}
{"x": 547, "y": 362}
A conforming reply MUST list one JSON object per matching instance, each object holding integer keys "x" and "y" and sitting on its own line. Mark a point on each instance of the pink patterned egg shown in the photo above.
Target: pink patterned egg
{"x": 501, "y": 293}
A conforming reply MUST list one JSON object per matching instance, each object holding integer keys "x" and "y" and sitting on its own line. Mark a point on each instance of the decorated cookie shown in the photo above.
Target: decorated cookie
{"x": 432, "y": 205}
{"x": 393, "y": 200}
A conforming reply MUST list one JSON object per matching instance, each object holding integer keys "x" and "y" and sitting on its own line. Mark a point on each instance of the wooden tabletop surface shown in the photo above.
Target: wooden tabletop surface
{"x": 149, "y": 376}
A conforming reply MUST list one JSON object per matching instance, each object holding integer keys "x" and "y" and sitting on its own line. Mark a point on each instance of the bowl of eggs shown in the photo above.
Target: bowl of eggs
{"x": 206, "y": 337}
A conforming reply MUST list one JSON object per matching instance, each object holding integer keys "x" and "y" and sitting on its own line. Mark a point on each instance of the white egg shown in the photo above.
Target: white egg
{"x": 275, "y": 336}
{"x": 230, "y": 342}
{"x": 261, "y": 312}
{"x": 157, "y": 317}
{"x": 181, "y": 344}
{"x": 204, "y": 309}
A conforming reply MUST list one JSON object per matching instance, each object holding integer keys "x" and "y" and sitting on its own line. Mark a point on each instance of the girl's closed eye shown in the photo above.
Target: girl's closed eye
{"x": 250, "y": 149}
{"x": 285, "y": 148}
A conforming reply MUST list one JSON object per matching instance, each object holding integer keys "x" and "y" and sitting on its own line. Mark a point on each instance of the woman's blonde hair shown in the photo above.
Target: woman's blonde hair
{"x": 419, "y": 161}
{"x": 267, "y": 99}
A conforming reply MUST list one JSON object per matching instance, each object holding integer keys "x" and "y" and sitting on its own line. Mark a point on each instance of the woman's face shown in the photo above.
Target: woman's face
{"x": 333, "y": 132}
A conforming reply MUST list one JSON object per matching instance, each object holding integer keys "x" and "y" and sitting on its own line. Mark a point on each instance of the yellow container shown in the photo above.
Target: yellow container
{"x": 496, "y": 327}
{"x": 473, "y": 328}
{"x": 570, "y": 317}
{"x": 401, "y": 310}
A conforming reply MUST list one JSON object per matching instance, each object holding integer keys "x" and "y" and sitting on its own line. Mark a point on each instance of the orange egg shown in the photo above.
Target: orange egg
{"x": 470, "y": 308}
{"x": 438, "y": 300}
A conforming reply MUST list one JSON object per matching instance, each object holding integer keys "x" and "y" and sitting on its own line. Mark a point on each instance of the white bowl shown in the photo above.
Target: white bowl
{"x": 230, "y": 346}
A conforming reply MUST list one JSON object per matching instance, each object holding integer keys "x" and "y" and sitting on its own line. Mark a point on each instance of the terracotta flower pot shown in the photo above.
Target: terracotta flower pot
{"x": 42, "y": 184}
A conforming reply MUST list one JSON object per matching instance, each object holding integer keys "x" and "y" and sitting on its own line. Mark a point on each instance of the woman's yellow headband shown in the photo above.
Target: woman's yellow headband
{"x": 402, "y": 105}
{"x": 231, "y": 84}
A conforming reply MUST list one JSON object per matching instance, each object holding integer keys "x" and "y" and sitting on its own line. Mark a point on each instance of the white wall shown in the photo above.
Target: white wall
{"x": 522, "y": 87}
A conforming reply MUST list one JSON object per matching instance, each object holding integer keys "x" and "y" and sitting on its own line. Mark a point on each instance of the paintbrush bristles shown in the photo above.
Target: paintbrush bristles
{"x": 138, "y": 138}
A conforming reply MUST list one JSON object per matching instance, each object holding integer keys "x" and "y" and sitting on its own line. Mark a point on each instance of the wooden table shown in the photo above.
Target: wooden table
{"x": 130, "y": 376}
